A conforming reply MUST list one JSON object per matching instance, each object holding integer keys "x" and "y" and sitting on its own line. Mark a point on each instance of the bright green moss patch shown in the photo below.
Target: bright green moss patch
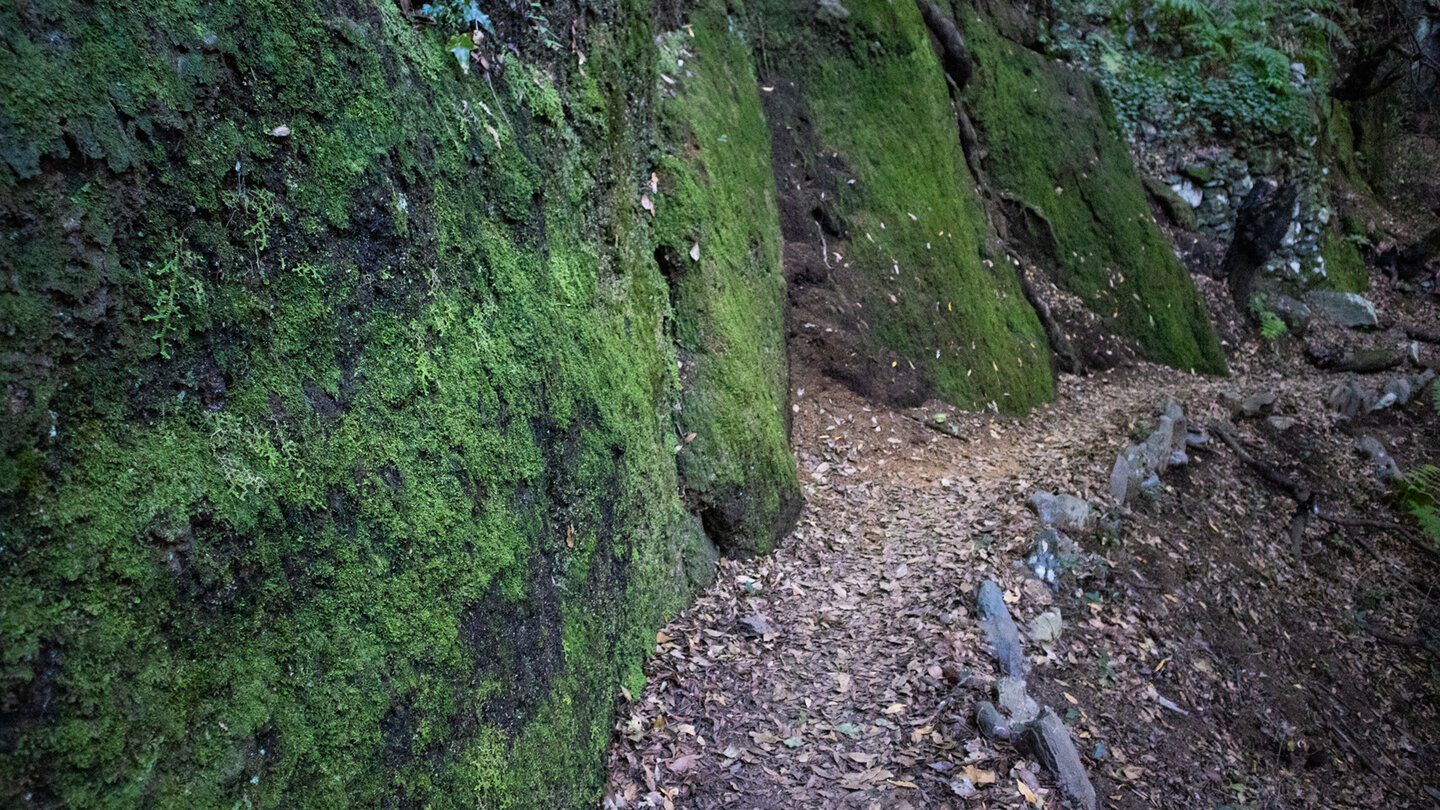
{"x": 1050, "y": 143}
{"x": 1345, "y": 269}
{"x": 719, "y": 247}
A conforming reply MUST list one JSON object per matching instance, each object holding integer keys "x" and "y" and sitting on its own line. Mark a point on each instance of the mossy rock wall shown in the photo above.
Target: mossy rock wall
{"x": 858, "y": 103}
{"x": 1052, "y": 148}
{"x": 719, "y": 246}
{"x": 340, "y": 395}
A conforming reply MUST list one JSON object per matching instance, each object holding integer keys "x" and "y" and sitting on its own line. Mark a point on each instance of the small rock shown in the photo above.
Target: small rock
{"x": 1293, "y": 312}
{"x": 1054, "y": 553}
{"x": 1066, "y": 513}
{"x": 962, "y": 787}
{"x": 1346, "y": 309}
{"x": 1258, "y": 403}
{"x": 991, "y": 724}
{"x": 1385, "y": 467}
{"x": 1151, "y": 486}
{"x": 1350, "y": 399}
{"x": 1282, "y": 423}
{"x": 1046, "y": 627}
{"x": 1400, "y": 387}
{"x": 1119, "y": 479}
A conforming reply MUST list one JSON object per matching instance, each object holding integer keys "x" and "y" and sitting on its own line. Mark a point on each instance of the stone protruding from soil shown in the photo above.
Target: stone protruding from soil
{"x": 1054, "y": 553}
{"x": 1018, "y": 717}
{"x": 1051, "y": 743}
{"x": 1066, "y": 513}
{"x": 1001, "y": 630}
{"x": 1386, "y": 470}
{"x": 1010, "y": 694}
{"x": 1138, "y": 464}
{"x": 1346, "y": 309}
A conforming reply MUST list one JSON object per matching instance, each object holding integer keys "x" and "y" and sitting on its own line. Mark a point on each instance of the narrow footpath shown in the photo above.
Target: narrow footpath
{"x": 1198, "y": 664}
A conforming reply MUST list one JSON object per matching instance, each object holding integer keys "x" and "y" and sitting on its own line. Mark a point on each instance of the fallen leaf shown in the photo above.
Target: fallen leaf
{"x": 978, "y": 777}
{"x": 1027, "y": 793}
{"x": 682, "y": 764}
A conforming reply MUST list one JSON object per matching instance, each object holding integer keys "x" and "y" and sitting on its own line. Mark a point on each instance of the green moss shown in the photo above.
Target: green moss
{"x": 1345, "y": 269}
{"x": 719, "y": 244}
{"x": 339, "y": 469}
{"x": 928, "y": 292}
{"x": 1051, "y": 142}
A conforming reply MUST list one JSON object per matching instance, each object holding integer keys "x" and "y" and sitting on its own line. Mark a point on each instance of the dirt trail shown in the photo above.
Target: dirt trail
{"x": 843, "y": 670}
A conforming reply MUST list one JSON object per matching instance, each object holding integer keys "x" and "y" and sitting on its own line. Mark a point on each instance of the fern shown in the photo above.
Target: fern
{"x": 1324, "y": 25}
{"x": 1421, "y": 491}
{"x": 1271, "y": 64}
{"x": 1184, "y": 10}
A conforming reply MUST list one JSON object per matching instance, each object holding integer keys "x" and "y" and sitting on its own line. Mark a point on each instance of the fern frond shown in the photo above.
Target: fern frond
{"x": 1272, "y": 65}
{"x": 1184, "y": 9}
{"x": 1319, "y": 22}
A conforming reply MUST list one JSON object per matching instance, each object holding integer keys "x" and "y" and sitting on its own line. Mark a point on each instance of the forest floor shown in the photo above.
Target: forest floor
{"x": 843, "y": 670}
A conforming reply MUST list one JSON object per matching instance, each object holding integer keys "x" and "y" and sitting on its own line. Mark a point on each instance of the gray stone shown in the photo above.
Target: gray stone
{"x": 1292, "y": 311}
{"x": 1054, "y": 553}
{"x": 1066, "y": 513}
{"x": 1000, "y": 629}
{"x": 1015, "y": 701}
{"x": 1120, "y": 479}
{"x": 1046, "y": 627}
{"x": 991, "y": 724}
{"x": 1048, "y": 738}
{"x": 1258, "y": 403}
{"x": 1350, "y": 399}
{"x": 1282, "y": 423}
{"x": 1400, "y": 387}
{"x": 1346, "y": 309}
{"x": 1151, "y": 486}
{"x": 1385, "y": 467}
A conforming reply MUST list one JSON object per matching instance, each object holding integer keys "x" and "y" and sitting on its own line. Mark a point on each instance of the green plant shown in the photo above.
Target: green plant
{"x": 164, "y": 283}
{"x": 1271, "y": 327}
{"x": 1225, "y": 66}
{"x": 1421, "y": 489}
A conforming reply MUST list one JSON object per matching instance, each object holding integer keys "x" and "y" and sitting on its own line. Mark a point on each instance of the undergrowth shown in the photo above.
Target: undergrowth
{"x": 1242, "y": 68}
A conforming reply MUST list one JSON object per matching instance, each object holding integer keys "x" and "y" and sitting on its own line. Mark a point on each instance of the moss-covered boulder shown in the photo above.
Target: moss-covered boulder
{"x": 340, "y": 399}
{"x": 1052, "y": 151}
{"x": 719, "y": 246}
{"x": 892, "y": 288}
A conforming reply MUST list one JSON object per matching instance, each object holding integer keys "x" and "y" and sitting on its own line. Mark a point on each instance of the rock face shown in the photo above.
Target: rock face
{"x": 1049, "y": 143}
{"x": 1346, "y": 309}
{"x": 345, "y": 400}
{"x": 866, "y": 186}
